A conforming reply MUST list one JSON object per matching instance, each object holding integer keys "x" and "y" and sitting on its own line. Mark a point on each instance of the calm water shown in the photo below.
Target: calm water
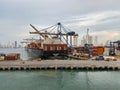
{"x": 57, "y": 80}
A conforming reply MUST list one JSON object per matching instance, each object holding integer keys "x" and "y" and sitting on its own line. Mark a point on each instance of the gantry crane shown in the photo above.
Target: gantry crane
{"x": 59, "y": 31}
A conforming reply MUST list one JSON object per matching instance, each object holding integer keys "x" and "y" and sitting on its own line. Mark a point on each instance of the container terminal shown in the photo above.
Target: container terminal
{"x": 57, "y": 41}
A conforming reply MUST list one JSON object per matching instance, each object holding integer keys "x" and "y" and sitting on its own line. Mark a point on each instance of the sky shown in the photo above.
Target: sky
{"x": 102, "y": 17}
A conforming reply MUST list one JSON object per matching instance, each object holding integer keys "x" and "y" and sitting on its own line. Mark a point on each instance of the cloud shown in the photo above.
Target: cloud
{"x": 104, "y": 36}
{"x": 78, "y": 15}
{"x": 95, "y": 18}
{"x": 103, "y": 24}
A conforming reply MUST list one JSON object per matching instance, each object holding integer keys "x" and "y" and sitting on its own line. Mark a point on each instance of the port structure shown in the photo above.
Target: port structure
{"x": 58, "y": 31}
{"x": 113, "y": 47}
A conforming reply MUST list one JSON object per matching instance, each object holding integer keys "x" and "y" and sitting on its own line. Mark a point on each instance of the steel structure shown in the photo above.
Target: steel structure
{"x": 113, "y": 47}
{"x": 58, "y": 31}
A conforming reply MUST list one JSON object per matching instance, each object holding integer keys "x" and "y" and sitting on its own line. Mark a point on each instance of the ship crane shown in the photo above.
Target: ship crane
{"x": 58, "y": 30}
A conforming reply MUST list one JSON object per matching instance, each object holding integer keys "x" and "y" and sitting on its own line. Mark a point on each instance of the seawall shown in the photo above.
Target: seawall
{"x": 59, "y": 65}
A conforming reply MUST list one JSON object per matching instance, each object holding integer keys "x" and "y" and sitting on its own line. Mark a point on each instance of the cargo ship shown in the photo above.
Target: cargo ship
{"x": 47, "y": 47}
{"x": 54, "y": 41}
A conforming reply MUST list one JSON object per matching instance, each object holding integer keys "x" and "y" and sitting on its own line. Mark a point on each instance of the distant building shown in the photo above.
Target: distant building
{"x": 107, "y": 43}
{"x": 90, "y": 39}
{"x": 15, "y": 44}
{"x": 87, "y": 40}
{"x": 83, "y": 41}
{"x": 96, "y": 41}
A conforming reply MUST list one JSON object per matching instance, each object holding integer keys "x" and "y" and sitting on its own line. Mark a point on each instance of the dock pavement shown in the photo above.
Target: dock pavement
{"x": 60, "y": 64}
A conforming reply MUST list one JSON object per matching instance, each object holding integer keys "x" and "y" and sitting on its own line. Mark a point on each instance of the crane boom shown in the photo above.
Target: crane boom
{"x": 34, "y": 28}
{"x": 52, "y": 33}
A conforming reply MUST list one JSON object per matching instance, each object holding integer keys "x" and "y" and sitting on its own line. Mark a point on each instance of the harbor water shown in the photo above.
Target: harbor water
{"x": 57, "y": 79}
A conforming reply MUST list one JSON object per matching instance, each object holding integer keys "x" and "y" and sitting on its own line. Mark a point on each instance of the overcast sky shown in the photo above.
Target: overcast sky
{"x": 102, "y": 17}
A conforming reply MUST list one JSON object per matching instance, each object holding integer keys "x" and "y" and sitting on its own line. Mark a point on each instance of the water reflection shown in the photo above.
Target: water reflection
{"x": 60, "y": 80}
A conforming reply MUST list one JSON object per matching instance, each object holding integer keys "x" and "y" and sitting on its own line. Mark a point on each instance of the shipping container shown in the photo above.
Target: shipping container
{"x": 99, "y": 49}
{"x": 55, "y": 49}
{"x": 58, "y": 47}
{"x": 95, "y": 50}
{"x": 12, "y": 56}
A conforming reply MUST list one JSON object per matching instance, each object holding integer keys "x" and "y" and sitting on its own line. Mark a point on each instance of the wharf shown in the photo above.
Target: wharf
{"x": 60, "y": 65}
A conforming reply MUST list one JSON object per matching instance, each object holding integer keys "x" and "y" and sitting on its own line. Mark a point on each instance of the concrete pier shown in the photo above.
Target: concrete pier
{"x": 60, "y": 65}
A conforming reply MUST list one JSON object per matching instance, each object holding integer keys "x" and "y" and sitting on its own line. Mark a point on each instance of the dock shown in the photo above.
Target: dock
{"x": 59, "y": 65}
